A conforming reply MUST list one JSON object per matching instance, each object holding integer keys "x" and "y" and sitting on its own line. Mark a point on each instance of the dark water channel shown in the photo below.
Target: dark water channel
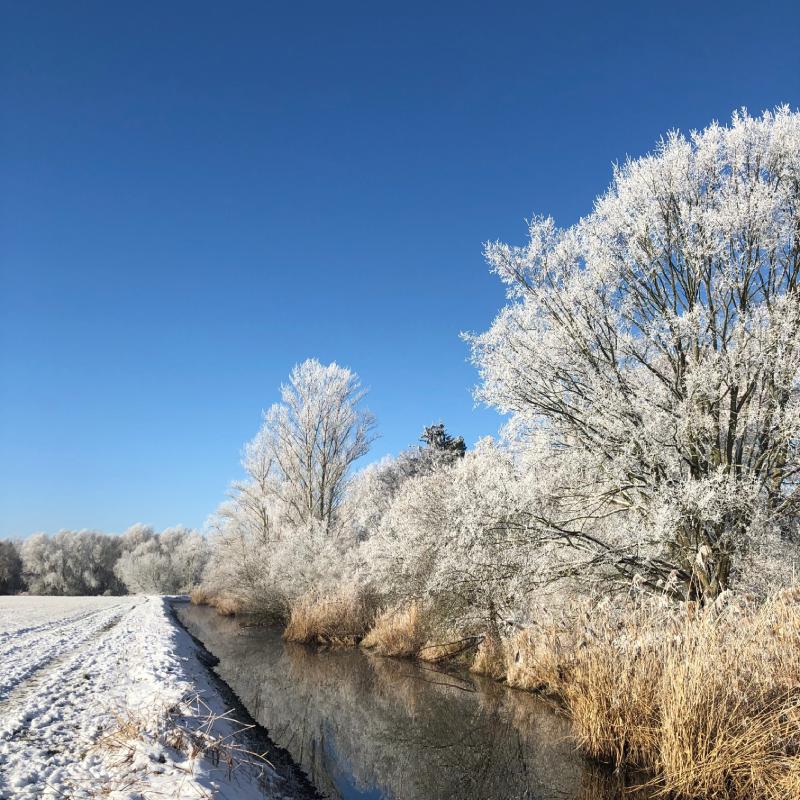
{"x": 361, "y": 726}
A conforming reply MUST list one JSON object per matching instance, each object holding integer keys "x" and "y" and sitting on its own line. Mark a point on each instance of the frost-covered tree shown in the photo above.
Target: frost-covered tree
{"x": 373, "y": 489}
{"x": 458, "y": 538}
{"x": 136, "y": 535}
{"x": 651, "y": 353}
{"x": 313, "y": 436}
{"x": 72, "y": 563}
{"x": 171, "y": 562}
{"x": 244, "y": 533}
{"x": 281, "y": 532}
{"x": 10, "y": 568}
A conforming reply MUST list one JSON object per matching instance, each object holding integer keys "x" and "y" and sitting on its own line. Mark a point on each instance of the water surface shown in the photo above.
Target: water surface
{"x": 365, "y": 727}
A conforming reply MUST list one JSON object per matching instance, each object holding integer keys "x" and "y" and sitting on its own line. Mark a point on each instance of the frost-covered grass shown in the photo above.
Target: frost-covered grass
{"x": 105, "y": 697}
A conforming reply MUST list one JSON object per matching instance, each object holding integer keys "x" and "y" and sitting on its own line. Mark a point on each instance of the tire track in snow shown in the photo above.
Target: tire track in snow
{"x": 29, "y": 684}
{"x": 31, "y": 652}
{"x": 17, "y": 633}
{"x": 54, "y": 712}
{"x": 13, "y": 641}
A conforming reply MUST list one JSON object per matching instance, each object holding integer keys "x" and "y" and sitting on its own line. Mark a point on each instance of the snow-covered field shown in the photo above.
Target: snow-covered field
{"x": 105, "y": 697}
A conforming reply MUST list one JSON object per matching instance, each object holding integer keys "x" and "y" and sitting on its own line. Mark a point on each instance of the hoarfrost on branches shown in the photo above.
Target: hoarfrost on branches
{"x": 654, "y": 345}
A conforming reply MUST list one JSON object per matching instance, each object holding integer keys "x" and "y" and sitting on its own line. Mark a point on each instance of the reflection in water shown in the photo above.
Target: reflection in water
{"x": 368, "y": 727}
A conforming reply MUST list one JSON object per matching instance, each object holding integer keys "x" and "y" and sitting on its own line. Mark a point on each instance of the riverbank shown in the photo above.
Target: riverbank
{"x": 705, "y": 700}
{"x": 388, "y": 729}
{"x": 256, "y": 738}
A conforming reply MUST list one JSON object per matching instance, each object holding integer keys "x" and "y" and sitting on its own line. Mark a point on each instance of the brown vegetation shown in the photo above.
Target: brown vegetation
{"x": 709, "y": 702}
{"x": 490, "y": 658}
{"x": 199, "y": 596}
{"x": 339, "y": 619}
{"x": 398, "y": 632}
{"x": 730, "y": 713}
{"x": 225, "y": 604}
{"x": 539, "y": 659}
{"x": 611, "y": 688}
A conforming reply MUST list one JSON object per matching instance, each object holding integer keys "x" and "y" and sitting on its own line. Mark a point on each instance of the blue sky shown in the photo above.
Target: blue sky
{"x": 198, "y": 195}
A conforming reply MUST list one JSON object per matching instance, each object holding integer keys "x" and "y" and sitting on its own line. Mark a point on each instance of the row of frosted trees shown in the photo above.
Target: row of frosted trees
{"x": 628, "y": 543}
{"x": 647, "y": 360}
{"x": 90, "y": 563}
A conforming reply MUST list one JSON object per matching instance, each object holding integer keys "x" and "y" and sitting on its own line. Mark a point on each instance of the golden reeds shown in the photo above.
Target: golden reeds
{"x": 709, "y": 702}
{"x": 398, "y": 632}
{"x": 337, "y": 619}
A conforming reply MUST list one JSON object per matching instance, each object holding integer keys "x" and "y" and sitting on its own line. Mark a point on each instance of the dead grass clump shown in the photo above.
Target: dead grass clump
{"x": 140, "y": 740}
{"x": 490, "y": 659}
{"x": 338, "y": 619}
{"x": 612, "y": 693}
{"x": 199, "y": 596}
{"x": 397, "y": 632}
{"x": 540, "y": 658}
{"x": 226, "y": 605}
{"x": 730, "y": 715}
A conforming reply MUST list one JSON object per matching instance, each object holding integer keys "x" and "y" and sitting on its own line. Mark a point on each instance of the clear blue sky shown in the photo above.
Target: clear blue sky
{"x": 196, "y": 196}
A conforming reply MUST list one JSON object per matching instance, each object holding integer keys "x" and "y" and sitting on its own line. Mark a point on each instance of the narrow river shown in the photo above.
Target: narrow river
{"x": 383, "y": 729}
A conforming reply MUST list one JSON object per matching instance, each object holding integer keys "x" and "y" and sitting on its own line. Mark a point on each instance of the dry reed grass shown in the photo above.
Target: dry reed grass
{"x": 199, "y": 596}
{"x": 611, "y": 688}
{"x": 226, "y": 605}
{"x": 540, "y": 658}
{"x": 730, "y": 704}
{"x": 399, "y": 632}
{"x": 192, "y": 729}
{"x": 709, "y": 701}
{"x": 337, "y": 619}
{"x": 490, "y": 659}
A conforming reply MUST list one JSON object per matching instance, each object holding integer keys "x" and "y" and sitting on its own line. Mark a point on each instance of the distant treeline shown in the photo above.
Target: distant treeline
{"x": 90, "y": 563}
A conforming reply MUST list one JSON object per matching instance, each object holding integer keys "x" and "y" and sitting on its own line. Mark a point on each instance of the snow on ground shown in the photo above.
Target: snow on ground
{"x": 17, "y": 612}
{"x": 106, "y": 697}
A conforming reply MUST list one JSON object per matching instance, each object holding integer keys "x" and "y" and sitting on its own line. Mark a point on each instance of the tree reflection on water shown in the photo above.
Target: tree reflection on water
{"x": 367, "y": 727}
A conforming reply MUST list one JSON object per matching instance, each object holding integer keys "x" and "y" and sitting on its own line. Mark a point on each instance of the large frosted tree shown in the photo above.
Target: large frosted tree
{"x": 281, "y": 531}
{"x": 312, "y": 437}
{"x": 650, "y": 354}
